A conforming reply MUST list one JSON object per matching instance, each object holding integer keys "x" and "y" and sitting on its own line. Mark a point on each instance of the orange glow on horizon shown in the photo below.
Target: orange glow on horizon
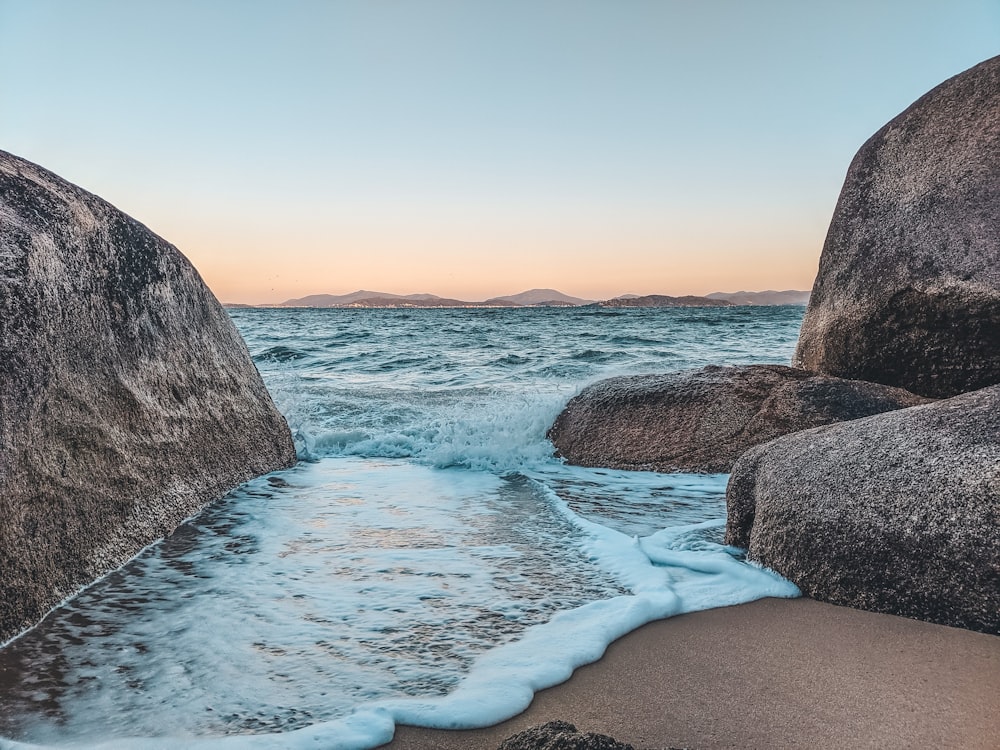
{"x": 273, "y": 264}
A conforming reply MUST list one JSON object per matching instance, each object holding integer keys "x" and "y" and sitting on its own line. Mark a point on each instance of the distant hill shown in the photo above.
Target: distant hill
{"x": 662, "y": 300}
{"x": 770, "y": 297}
{"x": 366, "y": 298}
{"x": 542, "y": 297}
{"x": 332, "y": 300}
{"x": 412, "y": 300}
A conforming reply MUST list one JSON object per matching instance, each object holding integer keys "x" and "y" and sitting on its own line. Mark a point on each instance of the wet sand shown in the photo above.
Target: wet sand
{"x": 772, "y": 674}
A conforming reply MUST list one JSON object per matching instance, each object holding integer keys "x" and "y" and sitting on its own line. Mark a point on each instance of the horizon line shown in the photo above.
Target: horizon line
{"x": 528, "y": 298}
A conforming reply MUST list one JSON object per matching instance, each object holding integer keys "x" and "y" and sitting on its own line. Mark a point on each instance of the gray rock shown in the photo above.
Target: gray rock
{"x": 703, "y": 420}
{"x": 127, "y": 398}
{"x": 560, "y": 735}
{"x": 895, "y": 513}
{"x": 908, "y": 289}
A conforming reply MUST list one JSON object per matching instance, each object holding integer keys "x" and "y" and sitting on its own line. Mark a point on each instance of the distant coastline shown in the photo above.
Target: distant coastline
{"x": 364, "y": 299}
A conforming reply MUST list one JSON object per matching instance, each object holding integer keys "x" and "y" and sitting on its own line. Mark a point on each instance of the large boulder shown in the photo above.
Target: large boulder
{"x": 703, "y": 420}
{"x": 127, "y": 398}
{"x": 896, "y": 513}
{"x": 908, "y": 290}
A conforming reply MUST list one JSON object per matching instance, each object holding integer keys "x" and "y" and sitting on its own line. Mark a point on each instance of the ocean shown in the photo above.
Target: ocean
{"x": 428, "y": 561}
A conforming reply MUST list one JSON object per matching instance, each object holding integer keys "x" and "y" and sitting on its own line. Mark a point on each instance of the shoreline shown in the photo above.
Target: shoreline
{"x": 774, "y": 673}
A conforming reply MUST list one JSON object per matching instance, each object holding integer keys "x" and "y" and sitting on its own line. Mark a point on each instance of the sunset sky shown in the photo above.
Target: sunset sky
{"x": 473, "y": 149}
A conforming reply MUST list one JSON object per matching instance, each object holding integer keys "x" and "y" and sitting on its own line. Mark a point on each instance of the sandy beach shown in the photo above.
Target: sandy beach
{"x": 772, "y": 674}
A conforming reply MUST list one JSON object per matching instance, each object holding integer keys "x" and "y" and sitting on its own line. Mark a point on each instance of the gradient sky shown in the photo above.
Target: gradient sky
{"x": 473, "y": 149}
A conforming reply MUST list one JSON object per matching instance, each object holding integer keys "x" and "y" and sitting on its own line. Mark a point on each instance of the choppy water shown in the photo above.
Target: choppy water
{"x": 427, "y": 560}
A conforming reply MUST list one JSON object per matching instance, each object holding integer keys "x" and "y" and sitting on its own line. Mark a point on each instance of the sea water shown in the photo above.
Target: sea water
{"x": 428, "y": 561}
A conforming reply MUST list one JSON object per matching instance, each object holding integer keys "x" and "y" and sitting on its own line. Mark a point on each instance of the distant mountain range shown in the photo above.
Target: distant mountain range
{"x": 365, "y": 298}
{"x": 769, "y": 297}
{"x": 362, "y": 295}
{"x": 546, "y": 298}
{"x": 662, "y": 300}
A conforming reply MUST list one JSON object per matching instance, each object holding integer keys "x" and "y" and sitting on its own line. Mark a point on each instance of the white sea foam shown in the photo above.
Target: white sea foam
{"x": 486, "y": 431}
{"x": 434, "y": 547}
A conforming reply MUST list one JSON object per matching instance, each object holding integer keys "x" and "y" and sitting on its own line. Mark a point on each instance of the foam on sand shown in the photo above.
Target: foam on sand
{"x": 675, "y": 570}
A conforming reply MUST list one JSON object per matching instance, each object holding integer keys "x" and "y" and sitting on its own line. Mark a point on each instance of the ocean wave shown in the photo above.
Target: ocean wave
{"x": 635, "y": 341}
{"x": 496, "y": 432}
{"x": 596, "y": 355}
{"x": 280, "y": 354}
{"x": 512, "y": 359}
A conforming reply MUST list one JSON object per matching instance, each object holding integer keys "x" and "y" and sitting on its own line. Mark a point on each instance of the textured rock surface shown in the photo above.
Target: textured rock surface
{"x": 560, "y": 735}
{"x": 897, "y": 513}
{"x": 703, "y": 420}
{"x": 908, "y": 289}
{"x": 127, "y": 398}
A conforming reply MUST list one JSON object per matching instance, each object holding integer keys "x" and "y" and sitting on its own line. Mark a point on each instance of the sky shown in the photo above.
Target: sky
{"x": 473, "y": 149}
